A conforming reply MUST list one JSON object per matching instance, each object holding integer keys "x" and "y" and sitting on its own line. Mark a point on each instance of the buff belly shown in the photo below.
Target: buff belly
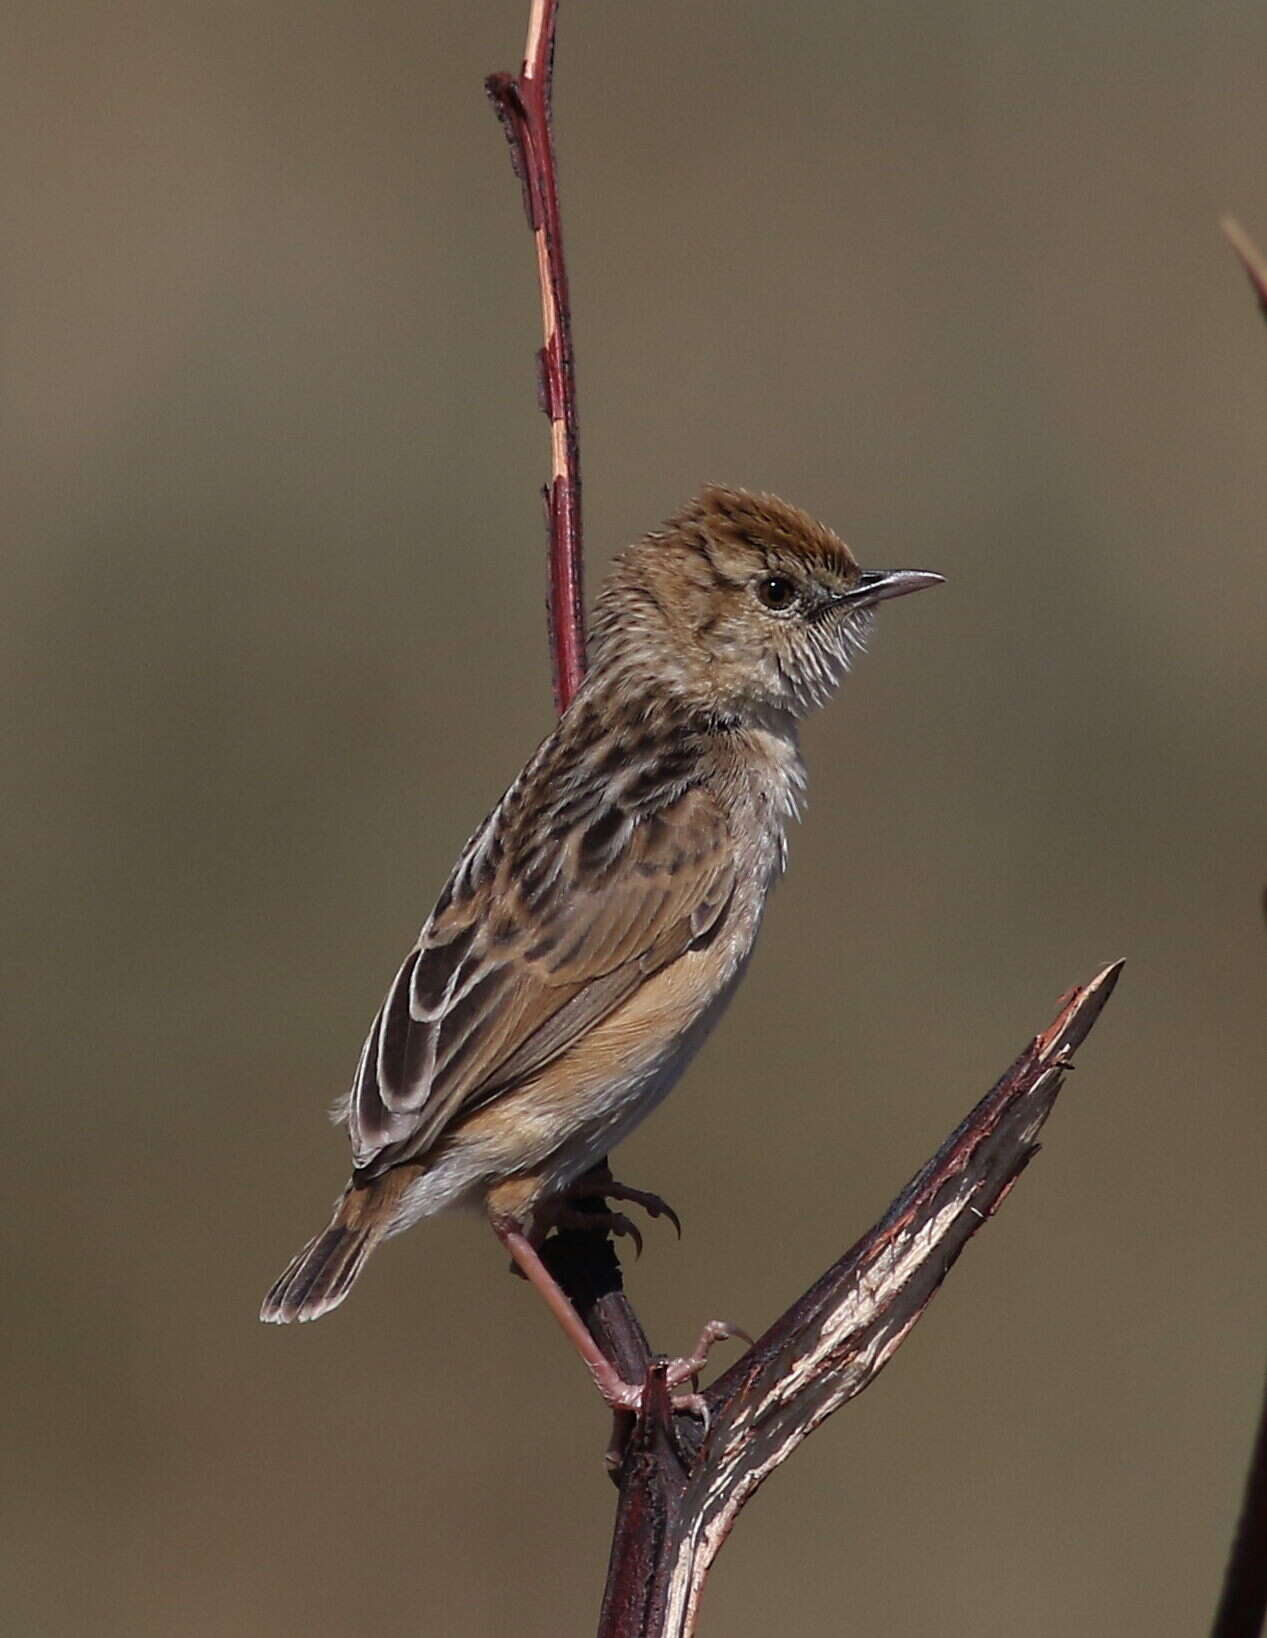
{"x": 533, "y": 1142}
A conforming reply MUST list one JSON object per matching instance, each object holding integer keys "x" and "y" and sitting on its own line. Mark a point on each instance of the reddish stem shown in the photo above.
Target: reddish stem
{"x": 523, "y": 104}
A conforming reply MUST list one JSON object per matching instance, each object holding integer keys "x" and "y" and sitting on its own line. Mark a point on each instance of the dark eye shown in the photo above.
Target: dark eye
{"x": 776, "y": 592}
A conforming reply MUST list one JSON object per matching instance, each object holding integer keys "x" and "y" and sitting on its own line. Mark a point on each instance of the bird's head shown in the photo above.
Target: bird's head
{"x": 742, "y": 602}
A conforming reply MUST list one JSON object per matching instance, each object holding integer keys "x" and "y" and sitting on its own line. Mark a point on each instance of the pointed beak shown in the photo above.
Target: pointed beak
{"x": 875, "y": 585}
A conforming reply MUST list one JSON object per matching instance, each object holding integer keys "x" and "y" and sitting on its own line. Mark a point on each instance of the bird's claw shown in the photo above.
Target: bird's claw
{"x": 628, "y": 1396}
{"x": 625, "y": 1398}
{"x": 601, "y": 1184}
{"x": 600, "y": 1222}
{"x": 653, "y": 1204}
{"x": 689, "y": 1366}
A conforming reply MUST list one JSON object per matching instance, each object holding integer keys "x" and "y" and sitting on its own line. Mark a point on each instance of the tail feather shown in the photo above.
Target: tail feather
{"x": 323, "y": 1273}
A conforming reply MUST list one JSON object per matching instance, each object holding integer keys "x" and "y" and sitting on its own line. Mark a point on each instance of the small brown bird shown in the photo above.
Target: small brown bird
{"x": 600, "y": 918}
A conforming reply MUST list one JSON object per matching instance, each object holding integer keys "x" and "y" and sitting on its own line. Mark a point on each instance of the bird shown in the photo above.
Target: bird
{"x": 598, "y": 921}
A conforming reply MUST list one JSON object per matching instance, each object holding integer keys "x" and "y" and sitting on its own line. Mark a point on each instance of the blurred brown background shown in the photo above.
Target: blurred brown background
{"x": 949, "y": 276}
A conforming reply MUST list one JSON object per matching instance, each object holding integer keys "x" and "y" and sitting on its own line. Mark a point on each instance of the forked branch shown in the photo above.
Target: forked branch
{"x": 681, "y": 1492}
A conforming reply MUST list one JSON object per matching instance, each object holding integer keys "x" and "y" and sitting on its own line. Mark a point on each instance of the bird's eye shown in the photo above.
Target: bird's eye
{"x": 776, "y": 592}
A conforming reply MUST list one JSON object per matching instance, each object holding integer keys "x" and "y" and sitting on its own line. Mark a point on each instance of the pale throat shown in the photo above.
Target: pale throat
{"x": 769, "y": 747}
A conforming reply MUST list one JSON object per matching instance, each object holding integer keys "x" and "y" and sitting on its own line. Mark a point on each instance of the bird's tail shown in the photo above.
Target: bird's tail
{"x": 326, "y": 1269}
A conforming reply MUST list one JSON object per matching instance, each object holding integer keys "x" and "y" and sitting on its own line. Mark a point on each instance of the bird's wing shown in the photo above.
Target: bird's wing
{"x": 528, "y": 948}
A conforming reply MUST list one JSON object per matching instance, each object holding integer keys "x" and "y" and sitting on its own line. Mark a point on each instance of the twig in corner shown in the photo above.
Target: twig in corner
{"x": 1252, "y": 259}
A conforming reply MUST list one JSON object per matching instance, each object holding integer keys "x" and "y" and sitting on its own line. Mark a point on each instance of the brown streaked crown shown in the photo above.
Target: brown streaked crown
{"x": 781, "y": 534}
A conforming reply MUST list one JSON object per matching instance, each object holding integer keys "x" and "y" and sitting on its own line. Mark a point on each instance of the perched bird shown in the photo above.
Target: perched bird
{"x": 599, "y": 920}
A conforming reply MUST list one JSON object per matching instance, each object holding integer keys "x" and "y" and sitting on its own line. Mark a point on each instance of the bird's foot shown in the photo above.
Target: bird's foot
{"x": 599, "y": 1182}
{"x": 653, "y": 1204}
{"x": 689, "y": 1367}
{"x": 599, "y": 1222}
{"x": 621, "y": 1396}
{"x": 627, "y": 1396}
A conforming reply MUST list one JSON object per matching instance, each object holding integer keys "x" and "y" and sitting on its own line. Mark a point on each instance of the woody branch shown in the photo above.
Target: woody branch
{"x": 682, "y": 1491}
{"x": 681, "y": 1486}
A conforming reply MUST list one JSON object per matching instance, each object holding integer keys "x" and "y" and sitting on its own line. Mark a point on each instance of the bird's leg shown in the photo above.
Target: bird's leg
{"x": 619, "y": 1394}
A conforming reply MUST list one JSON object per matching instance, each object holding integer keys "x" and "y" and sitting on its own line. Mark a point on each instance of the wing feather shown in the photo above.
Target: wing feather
{"x": 517, "y": 963}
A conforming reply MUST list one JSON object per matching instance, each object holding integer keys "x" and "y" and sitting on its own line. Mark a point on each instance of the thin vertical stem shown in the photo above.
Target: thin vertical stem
{"x": 524, "y": 106}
